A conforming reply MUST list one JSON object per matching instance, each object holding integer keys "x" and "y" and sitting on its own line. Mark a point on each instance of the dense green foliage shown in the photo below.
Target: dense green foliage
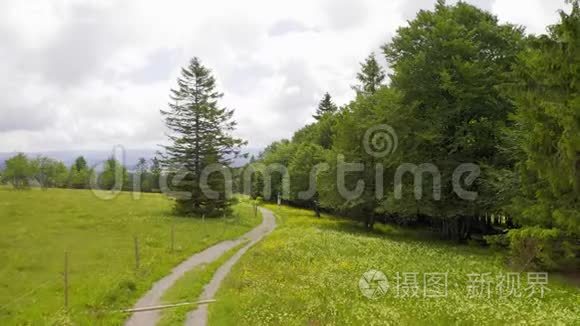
{"x": 447, "y": 66}
{"x": 50, "y": 173}
{"x": 547, "y": 95}
{"x": 23, "y": 172}
{"x": 465, "y": 92}
{"x": 18, "y": 171}
{"x": 114, "y": 175}
{"x": 79, "y": 174}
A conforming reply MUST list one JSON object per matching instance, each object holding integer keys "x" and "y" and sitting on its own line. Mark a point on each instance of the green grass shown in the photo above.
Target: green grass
{"x": 189, "y": 288}
{"x": 307, "y": 272}
{"x": 39, "y": 226}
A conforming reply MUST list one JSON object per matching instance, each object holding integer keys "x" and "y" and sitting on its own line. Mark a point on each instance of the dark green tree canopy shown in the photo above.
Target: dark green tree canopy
{"x": 326, "y": 106}
{"x": 142, "y": 165}
{"x": 114, "y": 175}
{"x": 546, "y": 91}
{"x": 449, "y": 65}
{"x": 80, "y": 164}
{"x": 370, "y": 77}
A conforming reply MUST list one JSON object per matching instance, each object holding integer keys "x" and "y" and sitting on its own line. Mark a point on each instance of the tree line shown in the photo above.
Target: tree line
{"x": 464, "y": 88}
{"x": 23, "y": 172}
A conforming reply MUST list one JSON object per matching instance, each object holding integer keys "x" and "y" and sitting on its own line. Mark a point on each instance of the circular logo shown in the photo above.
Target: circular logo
{"x": 373, "y": 284}
{"x": 380, "y": 141}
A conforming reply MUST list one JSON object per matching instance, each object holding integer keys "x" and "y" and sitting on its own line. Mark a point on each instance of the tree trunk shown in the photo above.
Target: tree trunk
{"x": 369, "y": 220}
{"x": 316, "y": 210}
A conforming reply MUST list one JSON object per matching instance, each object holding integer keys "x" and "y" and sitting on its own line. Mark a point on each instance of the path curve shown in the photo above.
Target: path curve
{"x": 198, "y": 317}
{"x": 153, "y": 296}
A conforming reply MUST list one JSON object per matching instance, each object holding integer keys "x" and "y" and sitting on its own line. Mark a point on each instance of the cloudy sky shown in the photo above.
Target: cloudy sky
{"x": 89, "y": 74}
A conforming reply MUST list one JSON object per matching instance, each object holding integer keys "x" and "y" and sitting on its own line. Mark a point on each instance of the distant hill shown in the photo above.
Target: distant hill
{"x": 92, "y": 157}
{"x": 96, "y": 157}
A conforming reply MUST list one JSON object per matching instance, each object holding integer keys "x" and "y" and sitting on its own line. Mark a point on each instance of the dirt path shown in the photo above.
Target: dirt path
{"x": 199, "y": 316}
{"x": 153, "y": 296}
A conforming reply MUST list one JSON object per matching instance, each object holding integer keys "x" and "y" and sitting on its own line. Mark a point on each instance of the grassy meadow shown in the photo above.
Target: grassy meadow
{"x": 39, "y": 226}
{"x": 307, "y": 272}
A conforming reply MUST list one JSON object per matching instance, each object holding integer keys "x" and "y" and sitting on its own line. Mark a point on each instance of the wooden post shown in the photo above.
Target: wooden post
{"x": 172, "y": 236}
{"x": 136, "y": 243}
{"x": 224, "y": 224}
{"x": 66, "y": 279}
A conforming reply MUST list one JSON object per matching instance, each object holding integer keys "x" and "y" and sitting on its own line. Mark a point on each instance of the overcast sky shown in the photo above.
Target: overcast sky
{"x": 90, "y": 74}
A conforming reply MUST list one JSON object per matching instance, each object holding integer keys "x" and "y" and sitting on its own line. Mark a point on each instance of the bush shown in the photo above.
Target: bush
{"x": 497, "y": 241}
{"x": 538, "y": 248}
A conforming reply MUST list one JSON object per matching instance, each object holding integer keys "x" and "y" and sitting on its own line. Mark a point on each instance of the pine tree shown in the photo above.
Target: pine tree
{"x": 200, "y": 138}
{"x": 155, "y": 174}
{"x": 80, "y": 164}
{"x": 142, "y": 174}
{"x": 79, "y": 174}
{"x": 370, "y": 77}
{"x": 141, "y": 166}
{"x": 114, "y": 175}
{"x": 325, "y": 106}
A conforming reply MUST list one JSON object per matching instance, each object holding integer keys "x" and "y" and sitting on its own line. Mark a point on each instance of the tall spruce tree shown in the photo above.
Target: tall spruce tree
{"x": 154, "y": 174}
{"x": 200, "y": 138}
{"x": 547, "y": 133}
{"x": 370, "y": 77}
{"x": 325, "y": 106}
{"x": 80, "y": 163}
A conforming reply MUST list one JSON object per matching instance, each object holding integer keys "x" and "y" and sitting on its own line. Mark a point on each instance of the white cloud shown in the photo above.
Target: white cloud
{"x": 535, "y": 15}
{"x": 87, "y": 74}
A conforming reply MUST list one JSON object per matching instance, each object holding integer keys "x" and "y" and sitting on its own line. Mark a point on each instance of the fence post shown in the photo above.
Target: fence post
{"x": 66, "y": 279}
{"x": 172, "y": 236}
{"x": 136, "y": 243}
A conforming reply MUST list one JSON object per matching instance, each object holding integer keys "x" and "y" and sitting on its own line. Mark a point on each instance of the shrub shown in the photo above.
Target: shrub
{"x": 497, "y": 241}
{"x": 539, "y": 248}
